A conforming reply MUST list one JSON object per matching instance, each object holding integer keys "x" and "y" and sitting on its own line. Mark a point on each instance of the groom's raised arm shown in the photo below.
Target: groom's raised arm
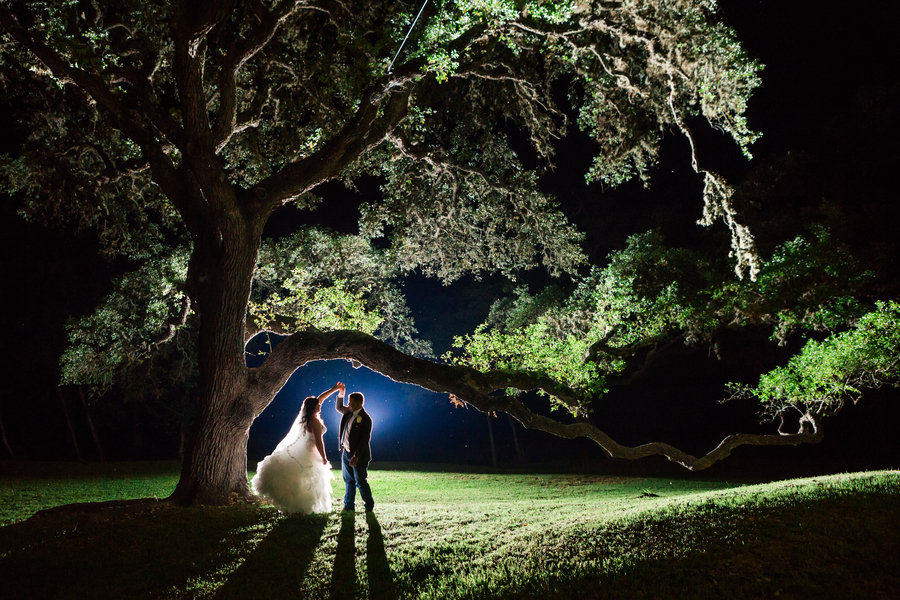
{"x": 339, "y": 403}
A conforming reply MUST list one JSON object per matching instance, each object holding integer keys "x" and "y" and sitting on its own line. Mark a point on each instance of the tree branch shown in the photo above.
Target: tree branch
{"x": 439, "y": 164}
{"x": 191, "y": 24}
{"x": 196, "y": 17}
{"x": 373, "y": 121}
{"x": 370, "y": 125}
{"x": 170, "y": 327}
{"x": 91, "y": 83}
{"x": 474, "y": 387}
{"x": 810, "y": 432}
{"x": 237, "y": 55}
{"x": 464, "y": 381}
{"x": 129, "y": 122}
{"x": 148, "y": 102}
{"x": 190, "y": 51}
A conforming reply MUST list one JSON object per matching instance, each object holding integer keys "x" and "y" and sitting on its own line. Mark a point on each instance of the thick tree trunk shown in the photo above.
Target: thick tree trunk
{"x": 214, "y": 465}
{"x": 214, "y": 468}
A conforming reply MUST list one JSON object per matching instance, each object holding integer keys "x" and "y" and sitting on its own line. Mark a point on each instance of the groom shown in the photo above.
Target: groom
{"x": 353, "y": 437}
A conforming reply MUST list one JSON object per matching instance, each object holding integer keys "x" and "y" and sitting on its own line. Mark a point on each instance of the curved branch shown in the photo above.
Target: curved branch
{"x": 371, "y": 124}
{"x": 129, "y": 122}
{"x": 466, "y": 382}
{"x": 810, "y": 432}
{"x": 238, "y": 54}
{"x": 474, "y": 387}
{"x": 188, "y": 70}
{"x": 170, "y": 327}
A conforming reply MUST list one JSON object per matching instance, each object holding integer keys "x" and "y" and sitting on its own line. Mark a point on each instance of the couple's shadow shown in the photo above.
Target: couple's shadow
{"x": 344, "y": 583}
{"x": 278, "y": 565}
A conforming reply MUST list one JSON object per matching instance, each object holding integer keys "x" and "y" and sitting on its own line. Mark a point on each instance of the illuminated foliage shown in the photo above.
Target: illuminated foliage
{"x": 319, "y": 279}
{"x": 328, "y": 308}
{"x": 829, "y": 373}
{"x": 124, "y": 328}
{"x": 312, "y": 278}
{"x": 456, "y": 196}
{"x": 650, "y": 293}
{"x": 634, "y": 70}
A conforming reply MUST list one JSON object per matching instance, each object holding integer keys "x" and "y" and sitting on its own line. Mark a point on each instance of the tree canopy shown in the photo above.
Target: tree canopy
{"x": 175, "y": 130}
{"x": 279, "y": 81}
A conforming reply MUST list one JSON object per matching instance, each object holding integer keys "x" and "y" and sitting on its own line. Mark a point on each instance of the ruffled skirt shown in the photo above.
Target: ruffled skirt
{"x": 294, "y": 485}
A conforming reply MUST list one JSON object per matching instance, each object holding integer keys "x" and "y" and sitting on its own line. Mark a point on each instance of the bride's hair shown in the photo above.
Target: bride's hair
{"x": 308, "y": 411}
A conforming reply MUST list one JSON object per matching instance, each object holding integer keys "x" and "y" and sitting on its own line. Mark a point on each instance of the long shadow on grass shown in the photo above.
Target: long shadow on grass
{"x": 343, "y": 577}
{"x": 279, "y": 563}
{"x": 381, "y": 580}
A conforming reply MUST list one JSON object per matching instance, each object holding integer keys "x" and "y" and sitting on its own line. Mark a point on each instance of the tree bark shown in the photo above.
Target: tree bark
{"x": 214, "y": 466}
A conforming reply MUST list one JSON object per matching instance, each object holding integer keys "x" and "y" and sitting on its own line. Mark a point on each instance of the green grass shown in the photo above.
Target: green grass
{"x": 26, "y": 488}
{"x": 445, "y": 535}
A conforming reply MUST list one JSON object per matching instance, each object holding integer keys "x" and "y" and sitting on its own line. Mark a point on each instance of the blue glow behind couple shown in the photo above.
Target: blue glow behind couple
{"x": 297, "y": 476}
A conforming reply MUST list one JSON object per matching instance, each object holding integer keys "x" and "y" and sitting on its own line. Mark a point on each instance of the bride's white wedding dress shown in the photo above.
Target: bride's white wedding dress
{"x": 293, "y": 477}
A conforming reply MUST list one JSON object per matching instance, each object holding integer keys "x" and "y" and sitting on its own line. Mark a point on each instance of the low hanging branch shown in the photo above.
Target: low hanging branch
{"x": 473, "y": 387}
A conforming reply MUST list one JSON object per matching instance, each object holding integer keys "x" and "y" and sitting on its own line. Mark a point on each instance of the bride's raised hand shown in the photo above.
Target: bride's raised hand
{"x": 340, "y": 388}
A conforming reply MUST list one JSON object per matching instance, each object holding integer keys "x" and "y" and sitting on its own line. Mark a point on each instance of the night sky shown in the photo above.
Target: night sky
{"x": 827, "y": 110}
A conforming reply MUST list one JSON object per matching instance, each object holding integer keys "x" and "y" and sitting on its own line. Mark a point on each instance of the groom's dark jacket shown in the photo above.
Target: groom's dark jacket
{"x": 360, "y": 435}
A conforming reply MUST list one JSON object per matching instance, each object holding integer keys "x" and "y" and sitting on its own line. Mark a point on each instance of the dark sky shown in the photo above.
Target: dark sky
{"x": 827, "y": 109}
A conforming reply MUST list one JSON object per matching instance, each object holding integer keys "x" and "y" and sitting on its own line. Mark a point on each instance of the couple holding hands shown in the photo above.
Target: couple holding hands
{"x": 297, "y": 476}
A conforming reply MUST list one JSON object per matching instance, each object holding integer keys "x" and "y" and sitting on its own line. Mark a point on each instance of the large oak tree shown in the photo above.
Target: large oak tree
{"x": 175, "y": 129}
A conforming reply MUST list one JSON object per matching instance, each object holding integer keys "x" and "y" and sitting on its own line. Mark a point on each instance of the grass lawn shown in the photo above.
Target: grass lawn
{"x": 445, "y": 534}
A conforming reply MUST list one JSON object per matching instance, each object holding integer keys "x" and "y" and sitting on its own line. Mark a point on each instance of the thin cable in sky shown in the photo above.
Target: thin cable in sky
{"x": 407, "y": 35}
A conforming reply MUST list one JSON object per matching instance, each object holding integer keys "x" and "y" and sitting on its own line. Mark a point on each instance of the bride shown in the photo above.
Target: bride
{"x": 297, "y": 476}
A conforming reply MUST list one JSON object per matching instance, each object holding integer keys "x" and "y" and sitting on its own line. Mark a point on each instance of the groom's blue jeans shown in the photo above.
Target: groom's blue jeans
{"x": 355, "y": 477}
